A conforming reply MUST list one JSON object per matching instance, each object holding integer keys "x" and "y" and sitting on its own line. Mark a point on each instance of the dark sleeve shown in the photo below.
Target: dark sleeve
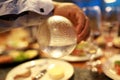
{"x": 21, "y": 13}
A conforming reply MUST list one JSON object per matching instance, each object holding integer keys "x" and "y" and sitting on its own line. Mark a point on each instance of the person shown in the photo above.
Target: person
{"x": 77, "y": 17}
{"x": 21, "y": 13}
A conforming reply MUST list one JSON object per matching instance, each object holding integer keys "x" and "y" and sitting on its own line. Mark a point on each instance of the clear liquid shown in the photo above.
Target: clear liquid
{"x": 58, "y": 51}
{"x": 57, "y": 37}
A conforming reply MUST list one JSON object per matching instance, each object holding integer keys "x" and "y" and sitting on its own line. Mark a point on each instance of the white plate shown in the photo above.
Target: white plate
{"x": 72, "y": 58}
{"x": 41, "y": 64}
{"x": 108, "y": 67}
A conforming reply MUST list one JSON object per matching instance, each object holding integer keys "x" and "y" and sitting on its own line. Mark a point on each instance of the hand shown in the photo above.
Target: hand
{"x": 76, "y": 16}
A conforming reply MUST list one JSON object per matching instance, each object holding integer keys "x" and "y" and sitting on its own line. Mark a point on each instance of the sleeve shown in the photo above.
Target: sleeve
{"x": 20, "y": 13}
{"x": 43, "y": 7}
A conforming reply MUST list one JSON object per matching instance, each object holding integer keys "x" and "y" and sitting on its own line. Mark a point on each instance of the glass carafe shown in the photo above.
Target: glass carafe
{"x": 56, "y": 36}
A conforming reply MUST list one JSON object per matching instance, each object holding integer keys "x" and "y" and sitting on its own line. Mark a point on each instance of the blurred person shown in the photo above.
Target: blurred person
{"x": 25, "y": 13}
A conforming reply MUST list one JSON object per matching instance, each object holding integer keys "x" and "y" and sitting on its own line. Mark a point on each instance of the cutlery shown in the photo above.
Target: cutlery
{"x": 40, "y": 75}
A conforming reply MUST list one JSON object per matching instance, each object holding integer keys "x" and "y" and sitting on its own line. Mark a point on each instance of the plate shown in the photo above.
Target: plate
{"x": 108, "y": 67}
{"x": 18, "y": 56}
{"x": 38, "y": 65}
{"x": 72, "y": 58}
{"x": 17, "y": 48}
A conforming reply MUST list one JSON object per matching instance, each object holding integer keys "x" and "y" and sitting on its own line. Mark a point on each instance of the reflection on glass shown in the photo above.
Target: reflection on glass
{"x": 110, "y": 24}
{"x": 56, "y": 37}
{"x": 94, "y": 14}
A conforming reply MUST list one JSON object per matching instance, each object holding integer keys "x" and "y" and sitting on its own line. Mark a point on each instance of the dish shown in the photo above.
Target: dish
{"x": 17, "y": 48}
{"x": 41, "y": 64}
{"x": 72, "y": 58}
{"x": 18, "y": 56}
{"x": 116, "y": 42}
{"x": 108, "y": 67}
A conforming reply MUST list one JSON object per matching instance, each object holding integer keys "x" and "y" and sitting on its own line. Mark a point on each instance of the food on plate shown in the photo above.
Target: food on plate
{"x": 34, "y": 45}
{"x": 91, "y": 48}
{"x": 3, "y": 37}
{"x": 19, "y": 55}
{"x": 84, "y": 48}
{"x": 56, "y": 72}
{"x": 15, "y": 39}
{"x": 82, "y": 45}
{"x": 100, "y": 41}
{"x": 18, "y": 39}
{"x": 19, "y": 33}
{"x": 116, "y": 42}
{"x": 17, "y": 44}
{"x": 22, "y": 76}
{"x": 79, "y": 50}
{"x": 117, "y": 67}
{"x": 5, "y": 59}
{"x": 31, "y": 53}
{"x": 2, "y": 48}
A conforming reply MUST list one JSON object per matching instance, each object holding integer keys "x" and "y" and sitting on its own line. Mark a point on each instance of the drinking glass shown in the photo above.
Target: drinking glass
{"x": 92, "y": 50}
{"x": 110, "y": 24}
{"x": 56, "y": 36}
{"x": 94, "y": 14}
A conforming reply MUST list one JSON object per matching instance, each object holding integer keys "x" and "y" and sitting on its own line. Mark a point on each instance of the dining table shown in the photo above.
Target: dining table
{"x": 81, "y": 71}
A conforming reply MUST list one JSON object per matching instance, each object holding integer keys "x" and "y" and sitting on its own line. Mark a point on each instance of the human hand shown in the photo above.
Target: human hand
{"x": 76, "y": 16}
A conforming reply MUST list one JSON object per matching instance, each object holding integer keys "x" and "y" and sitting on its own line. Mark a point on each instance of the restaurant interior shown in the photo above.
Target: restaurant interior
{"x": 96, "y": 58}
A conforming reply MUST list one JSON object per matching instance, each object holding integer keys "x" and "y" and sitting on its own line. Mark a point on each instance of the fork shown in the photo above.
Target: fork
{"x": 40, "y": 75}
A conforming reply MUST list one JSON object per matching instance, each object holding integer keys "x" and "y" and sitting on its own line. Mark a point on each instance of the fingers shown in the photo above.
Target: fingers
{"x": 85, "y": 32}
{"x": 80, "y": 22}
{"x": 77, "y": 17}
{"x": 82, "y": 26}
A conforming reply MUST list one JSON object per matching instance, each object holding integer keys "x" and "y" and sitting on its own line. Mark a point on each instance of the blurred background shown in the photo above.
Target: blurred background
{"x": 104, "y": 17}
{"x": 100, "y": 12}
{"x": 20, "y": 45}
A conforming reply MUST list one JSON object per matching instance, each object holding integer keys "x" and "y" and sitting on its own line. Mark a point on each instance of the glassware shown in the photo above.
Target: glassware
{"x": 118, "y": 18}
{"x": 56, "y": 37}
{"x": 94, "y": 14}
{"x": 110, "y": 24}
{"x": 91, "y": 49}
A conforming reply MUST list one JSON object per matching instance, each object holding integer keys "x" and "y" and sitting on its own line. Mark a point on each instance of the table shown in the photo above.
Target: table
{"x": 80, "y": 74}
{"x": 80, "y": 69}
